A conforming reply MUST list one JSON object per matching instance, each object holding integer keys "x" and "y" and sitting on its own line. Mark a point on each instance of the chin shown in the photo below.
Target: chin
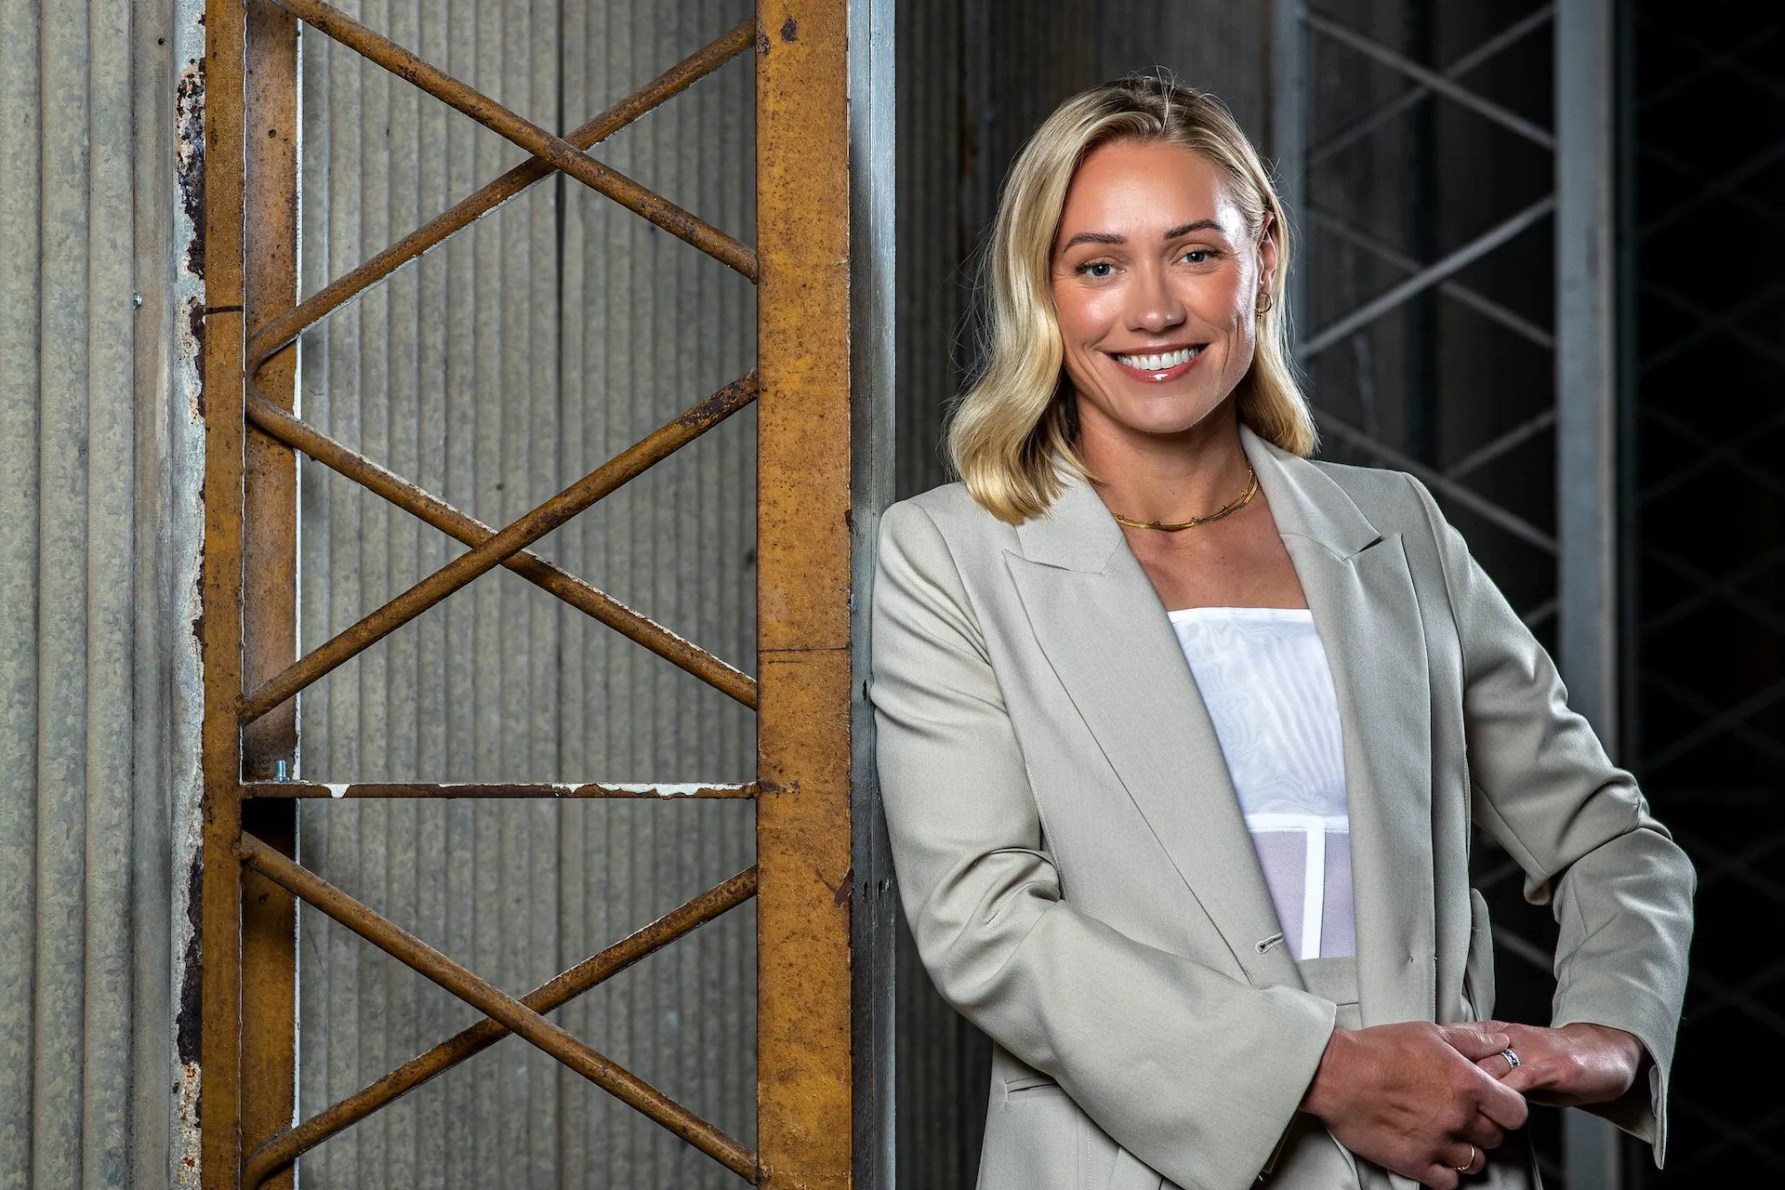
{"x": 1177, "y": 418}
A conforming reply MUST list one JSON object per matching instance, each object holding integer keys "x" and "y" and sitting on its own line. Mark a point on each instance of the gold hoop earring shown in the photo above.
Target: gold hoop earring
{"x": 1264, "y": 307}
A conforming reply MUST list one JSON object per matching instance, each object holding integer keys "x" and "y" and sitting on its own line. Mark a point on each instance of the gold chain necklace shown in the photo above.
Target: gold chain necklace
{"x": 1229, "y": 509}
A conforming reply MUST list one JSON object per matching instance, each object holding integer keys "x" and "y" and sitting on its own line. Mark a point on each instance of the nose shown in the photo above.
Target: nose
{"x": 1153, "y": 305}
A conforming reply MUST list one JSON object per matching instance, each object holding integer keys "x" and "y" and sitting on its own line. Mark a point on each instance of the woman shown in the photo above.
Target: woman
{"x": 1181, "y": 735}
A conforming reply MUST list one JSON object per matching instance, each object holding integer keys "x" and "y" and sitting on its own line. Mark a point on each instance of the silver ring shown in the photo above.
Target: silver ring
{"x": 1466, "y": 1166}
{"x": 1512, "y": 1062}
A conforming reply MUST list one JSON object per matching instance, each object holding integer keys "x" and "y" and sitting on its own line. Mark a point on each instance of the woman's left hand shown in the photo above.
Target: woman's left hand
{"x": 1574, "y": 1066}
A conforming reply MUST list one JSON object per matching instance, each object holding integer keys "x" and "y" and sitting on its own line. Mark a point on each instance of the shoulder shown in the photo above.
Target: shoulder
{"x": 1393, "y": 501}
{"x": 945, "y": 517}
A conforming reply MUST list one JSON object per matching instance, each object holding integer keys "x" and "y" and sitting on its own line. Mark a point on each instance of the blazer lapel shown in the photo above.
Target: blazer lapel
{"x": 1101, "y": 625}
{"x": 1361, "y": 594}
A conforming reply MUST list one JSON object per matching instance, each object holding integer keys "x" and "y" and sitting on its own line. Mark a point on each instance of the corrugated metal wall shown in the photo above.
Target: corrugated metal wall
{"x": 498, "y": 369}
{"x": 85, "y": 635}
{"x": 975, "y": 78}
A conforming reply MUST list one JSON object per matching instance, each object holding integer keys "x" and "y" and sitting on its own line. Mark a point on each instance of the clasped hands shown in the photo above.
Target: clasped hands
{"x": 1428, "y": 1101}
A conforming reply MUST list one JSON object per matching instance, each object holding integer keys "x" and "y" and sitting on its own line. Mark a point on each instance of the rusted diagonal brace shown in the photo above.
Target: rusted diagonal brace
{"x": 516, "y": 1016}
{"x": 285, "y": 327}
{"x": 282, "y": 1149}
{"x": 493, "y": 551}
{"x": 299, "y": 435}
{"x": 327, "y": 19}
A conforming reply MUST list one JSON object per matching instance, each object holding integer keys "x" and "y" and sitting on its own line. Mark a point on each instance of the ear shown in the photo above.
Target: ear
{"x": 1268, "y": 246}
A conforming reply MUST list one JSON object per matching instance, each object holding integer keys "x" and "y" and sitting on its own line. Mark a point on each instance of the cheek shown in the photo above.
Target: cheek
{"x": 1083, "y": 315}
{"x": 1222, "y": 300}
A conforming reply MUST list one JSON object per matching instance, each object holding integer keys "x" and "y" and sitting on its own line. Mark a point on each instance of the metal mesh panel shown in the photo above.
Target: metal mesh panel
{"x": 1706, "y": 372}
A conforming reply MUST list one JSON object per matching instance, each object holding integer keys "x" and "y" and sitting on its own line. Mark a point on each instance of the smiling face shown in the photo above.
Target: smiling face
{"x": 1156, "y": 278}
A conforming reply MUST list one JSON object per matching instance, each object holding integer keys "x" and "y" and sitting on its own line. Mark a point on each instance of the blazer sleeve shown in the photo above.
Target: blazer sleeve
{"x": 1619, "y": 886}
{"x": 1192, "y": 1071}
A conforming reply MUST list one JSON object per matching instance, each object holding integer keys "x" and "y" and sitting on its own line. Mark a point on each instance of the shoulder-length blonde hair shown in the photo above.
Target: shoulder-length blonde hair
{"x": 1016, "y": 424}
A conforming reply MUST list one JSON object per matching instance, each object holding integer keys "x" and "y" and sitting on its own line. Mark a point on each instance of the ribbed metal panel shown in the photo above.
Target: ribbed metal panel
{"x": 501, "y": 367}
{"x": 83, "y": 1042}
{"x": 649, "y": 325}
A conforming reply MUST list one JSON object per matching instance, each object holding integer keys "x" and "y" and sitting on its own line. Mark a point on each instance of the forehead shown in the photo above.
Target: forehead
{"x": 1133, "y": 188}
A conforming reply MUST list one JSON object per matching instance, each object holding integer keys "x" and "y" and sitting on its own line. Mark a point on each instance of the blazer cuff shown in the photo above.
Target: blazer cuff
{"x": 1642, "y": 1110}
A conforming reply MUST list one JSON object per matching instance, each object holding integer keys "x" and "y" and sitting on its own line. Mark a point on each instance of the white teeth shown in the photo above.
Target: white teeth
{"x": 1158, "y": 363}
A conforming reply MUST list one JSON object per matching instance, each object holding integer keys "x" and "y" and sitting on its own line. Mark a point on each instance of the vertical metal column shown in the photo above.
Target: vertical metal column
{"x": 1289, "y": 140}
{"x": 221, "y": 585}
{"x": 873, "y": 410}
{"x": 804, "y": 1077}
{"x": 269, "y": 579}
{"x": 1586, "y": 382}
{"x": 1586, "y": 435}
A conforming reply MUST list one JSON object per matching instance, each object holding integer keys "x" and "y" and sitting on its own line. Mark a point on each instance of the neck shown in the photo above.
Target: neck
{"x": 1167, "y": 478}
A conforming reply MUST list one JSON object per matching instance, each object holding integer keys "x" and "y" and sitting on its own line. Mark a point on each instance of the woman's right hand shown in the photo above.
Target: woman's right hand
{"x": 1410, "y": 1098}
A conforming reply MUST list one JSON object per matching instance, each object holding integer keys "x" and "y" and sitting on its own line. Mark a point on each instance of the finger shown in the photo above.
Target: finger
{"x": 1530, "y": 1076}
{"x": 1483, "y": 1133}
{"x": 1440, "y": 1177}
{"x": 1497, "y": 1065}
{"x": 1464, "y": 1158}
{"x": 1473, "y": 1041}
{"x": 1503, "y": 1103}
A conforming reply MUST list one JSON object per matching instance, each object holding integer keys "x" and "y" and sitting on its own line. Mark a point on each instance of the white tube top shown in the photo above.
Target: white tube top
{"x": 1263, "y": 675}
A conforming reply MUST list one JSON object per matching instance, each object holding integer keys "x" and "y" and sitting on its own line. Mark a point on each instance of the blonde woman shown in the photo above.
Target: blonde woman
{"x": 1181, "y": 735}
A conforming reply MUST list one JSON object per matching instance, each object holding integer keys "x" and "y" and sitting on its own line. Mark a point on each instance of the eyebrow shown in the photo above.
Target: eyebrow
{"x": 1105, "y": 237}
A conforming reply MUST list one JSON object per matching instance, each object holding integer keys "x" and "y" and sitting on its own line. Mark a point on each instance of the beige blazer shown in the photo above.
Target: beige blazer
{"x": 1080, "y": 882}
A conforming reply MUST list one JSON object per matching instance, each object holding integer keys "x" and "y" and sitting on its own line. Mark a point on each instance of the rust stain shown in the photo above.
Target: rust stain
{"x": 721, "y": 404}
{"x": 189, "y": 1020}
{"x": 189, "y": 162}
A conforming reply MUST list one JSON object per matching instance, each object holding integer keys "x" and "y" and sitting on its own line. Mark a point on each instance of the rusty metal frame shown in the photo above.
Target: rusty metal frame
{"x": 803, "y": 876}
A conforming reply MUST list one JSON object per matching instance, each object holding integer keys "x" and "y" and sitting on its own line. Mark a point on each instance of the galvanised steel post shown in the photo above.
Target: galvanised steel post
{"x": 1586, "y": 434}
{"x": 873, "y": 397}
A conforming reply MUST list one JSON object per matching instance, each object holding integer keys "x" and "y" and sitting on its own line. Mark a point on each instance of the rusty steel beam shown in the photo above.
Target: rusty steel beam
{"x": 269, "y": 577}
{"x": 280, "y": 1151}
{"x": 804, "y": 1089}
{"x": 277, "y": 332}
{"x": 625, "y": 466}
{"x": 510, "y": 1012}
{"x": 281, "y": 425}
{"x": 272, "y": 790}
{"x": 219, "y": 971}
{"x": 560, "y": 153}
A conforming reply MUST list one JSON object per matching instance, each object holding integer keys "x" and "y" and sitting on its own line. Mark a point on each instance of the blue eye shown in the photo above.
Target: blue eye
{"x": 1202, "y": 255}
{"x": 1097, "y": 268}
